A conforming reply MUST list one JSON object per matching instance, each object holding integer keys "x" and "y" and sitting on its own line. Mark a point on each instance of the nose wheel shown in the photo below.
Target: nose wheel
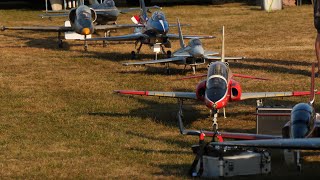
{"x": 85, "y": 43}
{"x": 215, "y": 120}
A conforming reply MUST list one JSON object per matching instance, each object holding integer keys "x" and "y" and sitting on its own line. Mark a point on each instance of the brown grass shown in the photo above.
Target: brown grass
{"x": 59, "y": 117}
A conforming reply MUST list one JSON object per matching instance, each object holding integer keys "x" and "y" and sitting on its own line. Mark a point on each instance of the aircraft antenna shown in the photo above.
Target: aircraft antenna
{"x": 222, "y": 46}
{"x": 312, "y": 90}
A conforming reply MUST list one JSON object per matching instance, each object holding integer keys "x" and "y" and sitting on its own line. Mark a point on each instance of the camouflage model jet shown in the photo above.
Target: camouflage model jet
{"x": 81, "y": 20}
{"x": 153, "y": 33}
{"x": 193, "y": 54}
{"x": 217, "y": 90}
{"x": 107, "y": 12}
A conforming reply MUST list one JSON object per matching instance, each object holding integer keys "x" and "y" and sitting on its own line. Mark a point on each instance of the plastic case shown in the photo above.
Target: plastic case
{"x": 244, "y": 163}
{"x": 272, "y": 124}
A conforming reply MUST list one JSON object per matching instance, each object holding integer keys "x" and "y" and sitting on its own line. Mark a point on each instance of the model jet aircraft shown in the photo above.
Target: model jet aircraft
{"x": 154, "y": 33}
{"x": 81, "y": 20}
{"x": 301, "y": 132}
{"x": 107, "y": 12}
{"x": 193, "y": 54}
{"x": 217, "y": 90}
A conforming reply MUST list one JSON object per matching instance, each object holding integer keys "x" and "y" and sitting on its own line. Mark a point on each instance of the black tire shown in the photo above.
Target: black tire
{"x": 133, "y": 55}
{"x": 60, "y": 44}
{"x": 169, "y": 54}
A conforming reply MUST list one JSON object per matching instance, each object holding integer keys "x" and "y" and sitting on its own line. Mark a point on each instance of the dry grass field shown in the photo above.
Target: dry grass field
{"x": 59, "y": 117}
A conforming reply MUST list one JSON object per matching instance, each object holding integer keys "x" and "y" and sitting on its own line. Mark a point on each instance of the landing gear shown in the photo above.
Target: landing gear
{"x": 133, "y": 55}
{"x": 85, "y": 43}
{"x": 215, "y": 120}
{"x": 167, "y": 68}
{"x": 106, "y": 34}
{"x": 169, "y": 54}
{"x": 194, "y": 68}
{"x": 60, "y": 42}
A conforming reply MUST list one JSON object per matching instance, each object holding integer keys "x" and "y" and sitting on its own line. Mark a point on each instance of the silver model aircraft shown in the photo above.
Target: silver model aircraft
{"x": 154, "y": 33}
{"x": 81, "y": 20}
{"x": 193, "y": 54}
{"x": 107, "y": 12}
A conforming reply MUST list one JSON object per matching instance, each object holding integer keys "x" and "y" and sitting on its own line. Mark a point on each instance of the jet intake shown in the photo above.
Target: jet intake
{"x": 201, "y": 89}
{"x": 93, "y": 15}
{"x": 235, "y": 91}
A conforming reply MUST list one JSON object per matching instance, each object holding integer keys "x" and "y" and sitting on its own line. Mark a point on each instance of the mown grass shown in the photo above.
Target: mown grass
{"x": 60, "y": 118}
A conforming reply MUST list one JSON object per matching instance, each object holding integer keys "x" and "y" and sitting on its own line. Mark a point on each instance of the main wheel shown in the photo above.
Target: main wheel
{"x": 169, "y": 54}
{"x": 133, "y": 55}
{"x": 60, "y": 44}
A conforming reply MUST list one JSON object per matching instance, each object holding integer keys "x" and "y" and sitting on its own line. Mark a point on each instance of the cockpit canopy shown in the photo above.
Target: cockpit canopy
{"x": 85, "y": 15}
{"x": 109, "y": 3}
{"x": 218, "y": 68}
{"x": 217, "y": 81}
{"x": 158, "y": 15}
{"x": 195, "y": 42}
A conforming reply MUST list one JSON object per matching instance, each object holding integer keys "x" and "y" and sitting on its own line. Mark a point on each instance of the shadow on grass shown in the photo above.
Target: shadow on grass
{"x": 167, "y": 140}
{"x": 163, "y": 113}
{"x": 46, "y": 43}
{"x": 270, "y": 68}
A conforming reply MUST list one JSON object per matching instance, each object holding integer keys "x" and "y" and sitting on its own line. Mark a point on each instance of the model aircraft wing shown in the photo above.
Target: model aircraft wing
{"x": 116, "y": 26}
{"x": 173, "y": 59}
{"x": 49, "y": 15}
{"x": 180, "y": 95}
{"x": 129, "y": 37}
{"x": 259, "y": 95}
{"x": 176, "y": 36}
{"x": 226, "y": 58}
{"x": 39, "y": 28}
{"x": 301, "y": 143}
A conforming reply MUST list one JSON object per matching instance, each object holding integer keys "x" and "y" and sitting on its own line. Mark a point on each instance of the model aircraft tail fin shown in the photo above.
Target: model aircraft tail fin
{"x": 182, "y": 45}
{"x": 222, "y": 46}
{"x": 81, "y": 2}
{"x": 312, "y": 90}
{"x": 144, "y": 10}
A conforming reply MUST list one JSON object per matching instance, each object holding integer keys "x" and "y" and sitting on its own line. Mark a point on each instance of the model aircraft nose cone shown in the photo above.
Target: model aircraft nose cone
{"x": 85, "y": 31}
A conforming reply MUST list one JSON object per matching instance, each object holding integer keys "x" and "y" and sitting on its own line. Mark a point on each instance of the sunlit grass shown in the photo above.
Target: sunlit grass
{"x": 59, "y": 117}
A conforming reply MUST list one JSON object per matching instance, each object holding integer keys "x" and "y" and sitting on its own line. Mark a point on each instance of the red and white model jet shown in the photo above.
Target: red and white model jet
{"x": 218, "y": 89}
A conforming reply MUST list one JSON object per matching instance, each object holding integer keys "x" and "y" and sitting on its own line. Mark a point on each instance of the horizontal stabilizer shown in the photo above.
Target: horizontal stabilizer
{"x": 182, "y": 54}
{"x": 176, "y": 36}
{"x": 169, "y": 60}
{"x": 226, "y": 58}
{"x": 210, "y": 53}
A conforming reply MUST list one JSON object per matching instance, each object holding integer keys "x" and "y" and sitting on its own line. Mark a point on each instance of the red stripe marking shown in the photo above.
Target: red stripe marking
{"x": 132, "y": 92}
